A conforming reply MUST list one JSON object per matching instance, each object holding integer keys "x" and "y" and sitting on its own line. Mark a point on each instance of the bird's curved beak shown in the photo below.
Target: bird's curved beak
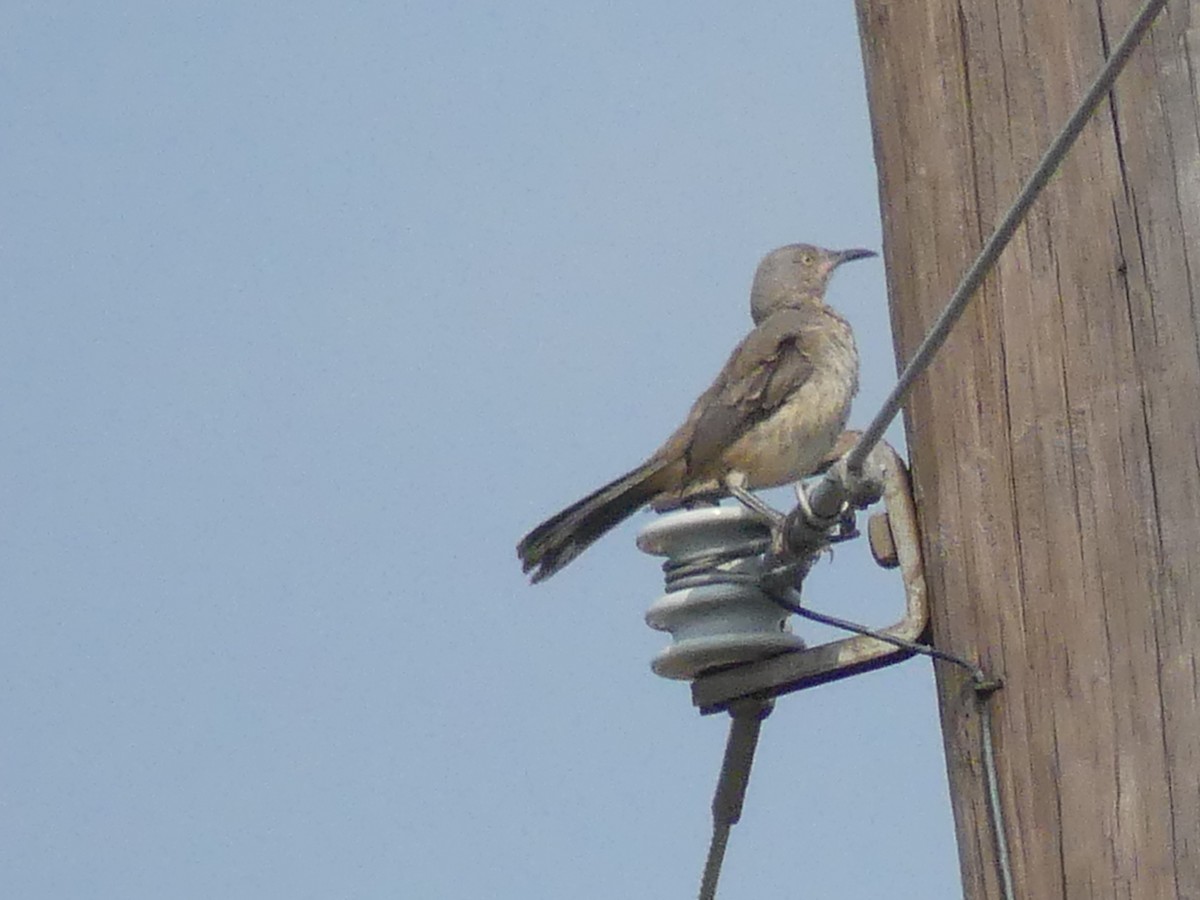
{"x": 851, "y": 255}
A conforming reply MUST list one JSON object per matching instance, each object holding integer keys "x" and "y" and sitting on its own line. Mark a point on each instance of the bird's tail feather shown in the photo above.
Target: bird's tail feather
{"x": 564, "y": 536}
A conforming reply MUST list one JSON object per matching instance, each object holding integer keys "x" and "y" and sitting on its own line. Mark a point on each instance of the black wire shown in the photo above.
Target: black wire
{"x": 984, "y": 686}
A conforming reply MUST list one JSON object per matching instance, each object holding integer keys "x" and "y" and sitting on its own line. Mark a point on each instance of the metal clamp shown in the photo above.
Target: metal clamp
{"x": 797, "y": 669}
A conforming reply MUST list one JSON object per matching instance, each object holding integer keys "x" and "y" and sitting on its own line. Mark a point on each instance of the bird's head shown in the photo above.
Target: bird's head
{"x": 795, "y": 274}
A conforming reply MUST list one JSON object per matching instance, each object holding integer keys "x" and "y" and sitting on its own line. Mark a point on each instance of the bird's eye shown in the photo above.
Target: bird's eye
{"x": 807, "y": 259}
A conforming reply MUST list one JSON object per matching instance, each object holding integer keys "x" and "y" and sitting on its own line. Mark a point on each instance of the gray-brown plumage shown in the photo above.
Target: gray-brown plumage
{"x": 772, "y": 414}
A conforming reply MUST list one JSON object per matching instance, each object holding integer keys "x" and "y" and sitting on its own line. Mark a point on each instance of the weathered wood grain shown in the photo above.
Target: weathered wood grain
{"x": 1056, "y": 441}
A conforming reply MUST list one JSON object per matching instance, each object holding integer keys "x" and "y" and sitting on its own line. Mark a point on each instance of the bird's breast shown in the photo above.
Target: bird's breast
{"x": 788, "y": 444}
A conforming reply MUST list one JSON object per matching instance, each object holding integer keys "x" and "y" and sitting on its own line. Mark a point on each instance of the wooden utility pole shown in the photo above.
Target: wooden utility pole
{"x": 1055, "y": 442}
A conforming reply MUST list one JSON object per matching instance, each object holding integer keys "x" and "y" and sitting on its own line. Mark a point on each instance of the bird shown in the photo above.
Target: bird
{"x": 774, "y": 412}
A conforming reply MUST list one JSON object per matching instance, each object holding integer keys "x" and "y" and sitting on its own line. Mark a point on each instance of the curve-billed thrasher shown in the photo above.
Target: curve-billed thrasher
{"x": 773, "y": 413}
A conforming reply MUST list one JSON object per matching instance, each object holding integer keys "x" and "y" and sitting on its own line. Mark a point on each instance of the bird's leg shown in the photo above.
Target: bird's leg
{"x": 735, "y": 483}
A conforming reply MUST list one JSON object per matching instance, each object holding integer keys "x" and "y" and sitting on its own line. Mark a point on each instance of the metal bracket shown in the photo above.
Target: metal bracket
{"x": 798, "y": 669}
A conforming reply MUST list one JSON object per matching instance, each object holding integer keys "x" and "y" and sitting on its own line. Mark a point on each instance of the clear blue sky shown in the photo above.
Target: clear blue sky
{"x": 310, "y": 311}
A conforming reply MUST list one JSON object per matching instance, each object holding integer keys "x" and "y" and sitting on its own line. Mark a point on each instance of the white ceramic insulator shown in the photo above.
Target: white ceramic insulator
{"x": 716, "y": 624}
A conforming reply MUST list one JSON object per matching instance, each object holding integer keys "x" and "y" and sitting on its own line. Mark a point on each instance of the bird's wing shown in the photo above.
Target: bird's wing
{"x": 767, "y": 367}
